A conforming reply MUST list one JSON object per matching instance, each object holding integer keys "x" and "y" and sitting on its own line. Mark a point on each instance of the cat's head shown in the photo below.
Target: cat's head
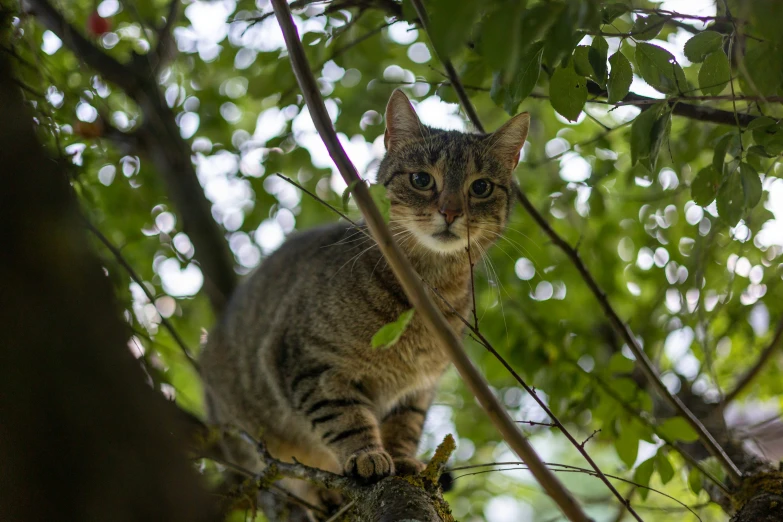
{"x": 437, "y": 180}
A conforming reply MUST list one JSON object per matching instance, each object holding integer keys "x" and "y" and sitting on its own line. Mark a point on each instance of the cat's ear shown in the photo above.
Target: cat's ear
{"x": 402, "y": 124}
{"x": 508, "y": 140}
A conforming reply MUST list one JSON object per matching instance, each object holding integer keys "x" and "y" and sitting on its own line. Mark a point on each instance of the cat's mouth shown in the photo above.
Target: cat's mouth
{"x": 447, "y": 236}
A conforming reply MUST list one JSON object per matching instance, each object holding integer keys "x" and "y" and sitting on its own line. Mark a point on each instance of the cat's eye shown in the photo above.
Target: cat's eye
{"x": 422, "y": 180}
{"x": 481, "y": 188}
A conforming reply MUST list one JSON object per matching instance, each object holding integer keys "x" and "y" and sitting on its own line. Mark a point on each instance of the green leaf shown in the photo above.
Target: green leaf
{"x": 451, "y": 24}
{"x": 705, "y": 186}
{"x": 597, "y": 58}
{"x": 641, "y": 131}
{"x": 612, "y": 11}
{"x": 764, "y": 70}
{"x": 659, "y": 68}
{"x": 704, "y": 43}
{"x": 524, "y": 79}
{"x": 731, "y": 200}
{"x": 347, "y": 193}
{"x": 642, "y": 476}
{"x": 677, "y": 428}
{"x": 568, "y": 92}
{"x": 665, "y": 469}
{"x": 627, "y": 446}
{"x": 647, "y": 27}
{"x": 561, "y": 39}
{"x": 390, "y": 333}
{"x": 694, "y": 481}
{"x": 619, "y": 363}
{"x": 620, "y": 77}
{"x": 719, "y": 156}
{"x": 714, "y": 74}
{"x": 761, "y": 122}
{"x": 378, "y": 193}
{"x": 713, "y": 466}
{"x": 751, "y": 185}
{"x": 582, "y": 61}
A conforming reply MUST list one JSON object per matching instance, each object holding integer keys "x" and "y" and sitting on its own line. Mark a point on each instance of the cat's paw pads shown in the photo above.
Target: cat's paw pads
{"x": 408, "y": 466}
{"x": 370, "y": 465}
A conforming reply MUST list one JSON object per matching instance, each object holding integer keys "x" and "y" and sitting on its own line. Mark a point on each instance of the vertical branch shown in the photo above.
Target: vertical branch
{"x": 462, "y": 95}
{"x": 418, "y": 295}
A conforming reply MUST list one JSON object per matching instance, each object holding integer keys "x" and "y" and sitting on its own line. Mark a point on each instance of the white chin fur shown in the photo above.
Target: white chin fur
{"x": 439, "y": 246}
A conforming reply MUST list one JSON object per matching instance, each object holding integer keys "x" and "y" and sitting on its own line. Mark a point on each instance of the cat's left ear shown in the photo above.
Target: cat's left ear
{"x": 508, "y": 140}
{"x": 401, "y": 121}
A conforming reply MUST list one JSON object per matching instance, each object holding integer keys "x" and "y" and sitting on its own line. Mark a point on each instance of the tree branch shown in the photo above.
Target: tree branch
{"x": 580, "y": 447}
{"x": 434, "y": 320}
{"x": 160, "y": 139}
{"x": 644, "y": 363}
{"x": 165, "y": 49}
{"x": 751, "y": 374}
{"x": 139, "y": 281}
{"x": 112, "y": 70}
{"x": 694, "y": 112}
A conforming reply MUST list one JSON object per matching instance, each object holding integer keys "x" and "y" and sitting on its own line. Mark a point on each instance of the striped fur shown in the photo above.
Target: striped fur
{"x": 290, "y": 360}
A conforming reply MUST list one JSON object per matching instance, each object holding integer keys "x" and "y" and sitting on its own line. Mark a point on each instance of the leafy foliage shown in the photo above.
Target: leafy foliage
{"x": 671, "y": 207}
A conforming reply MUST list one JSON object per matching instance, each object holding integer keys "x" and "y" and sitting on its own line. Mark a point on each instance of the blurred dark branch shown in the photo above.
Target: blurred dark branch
{"x": 756, "y": 369}
{"x": 167, "y": 46}
{"x": 139, "y": 281}
{"x": 65, "y": 364}
{"x": 160, "y": 141}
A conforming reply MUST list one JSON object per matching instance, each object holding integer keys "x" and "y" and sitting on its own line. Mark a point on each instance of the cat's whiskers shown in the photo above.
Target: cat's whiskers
{"x": 520, "y": 249}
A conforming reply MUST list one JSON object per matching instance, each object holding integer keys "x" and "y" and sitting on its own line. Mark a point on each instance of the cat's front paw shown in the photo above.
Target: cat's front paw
{"x": 370, "y": 465}
{"x": 408, "y": 466}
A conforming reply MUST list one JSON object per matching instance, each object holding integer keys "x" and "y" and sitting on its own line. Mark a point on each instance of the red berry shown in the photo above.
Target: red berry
{"x": 98, "y": 25}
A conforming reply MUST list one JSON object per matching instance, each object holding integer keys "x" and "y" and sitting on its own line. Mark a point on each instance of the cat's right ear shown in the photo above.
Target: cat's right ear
{"x": 402, "y": 124}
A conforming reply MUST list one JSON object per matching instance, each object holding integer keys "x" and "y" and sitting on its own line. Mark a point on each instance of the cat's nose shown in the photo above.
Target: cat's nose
{"x": 450, "y": 214}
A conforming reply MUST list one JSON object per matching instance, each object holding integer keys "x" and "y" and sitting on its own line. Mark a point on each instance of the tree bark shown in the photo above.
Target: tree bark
{"x": 82, "y": 436}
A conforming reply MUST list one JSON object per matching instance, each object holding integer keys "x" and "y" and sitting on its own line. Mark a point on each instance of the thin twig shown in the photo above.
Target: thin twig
{"x": 754, "y": 370}
{"x": 644, "y": 363}
{"x": 139, "y": 281}
{"x": 564, "y": 468}
{"x": 437, "y": 325}
{"x": 343, "y": 510}
{"x": 579, "y": 447}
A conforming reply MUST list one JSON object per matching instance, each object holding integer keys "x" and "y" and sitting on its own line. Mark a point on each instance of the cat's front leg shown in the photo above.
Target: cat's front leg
{"x": 346, "y": 423}
{"x": 401, "y": 430}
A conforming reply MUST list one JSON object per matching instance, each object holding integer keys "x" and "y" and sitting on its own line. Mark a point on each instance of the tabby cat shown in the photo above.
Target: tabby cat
{"x": 291, "y": 360}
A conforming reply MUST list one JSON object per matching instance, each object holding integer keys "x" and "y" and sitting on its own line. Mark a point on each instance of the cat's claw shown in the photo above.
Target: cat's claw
{"x": 369, "y": 465}
{"x": 408, "y": 466}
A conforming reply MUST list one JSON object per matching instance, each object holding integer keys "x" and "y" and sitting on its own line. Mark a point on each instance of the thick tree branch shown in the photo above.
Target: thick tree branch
{"x": 159, "y": 139}
{"x": 754, "y": 370}
{"x": 407, "y": 277}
